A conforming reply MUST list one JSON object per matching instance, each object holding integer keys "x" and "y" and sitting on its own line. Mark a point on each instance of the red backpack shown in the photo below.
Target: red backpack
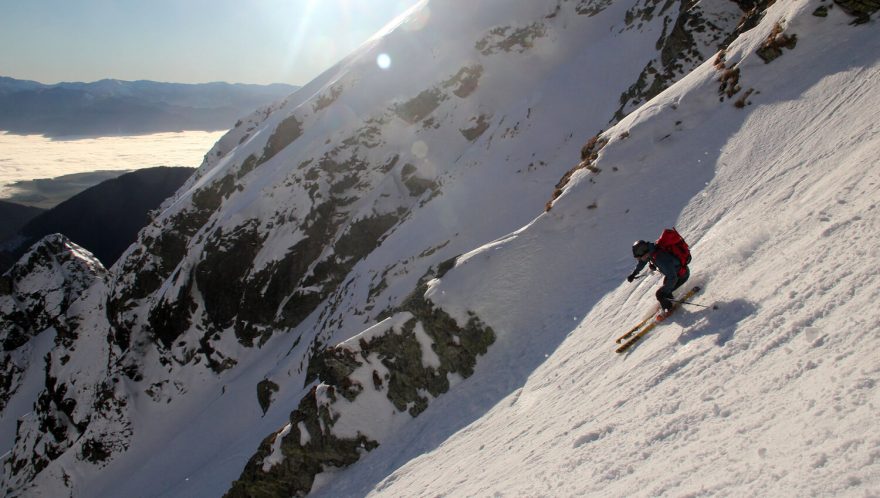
{"x": 671, "y": 242}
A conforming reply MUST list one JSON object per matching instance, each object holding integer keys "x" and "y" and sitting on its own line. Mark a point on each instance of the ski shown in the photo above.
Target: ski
{"x": 635, "y": 329}
{"x": 649, "y": 327}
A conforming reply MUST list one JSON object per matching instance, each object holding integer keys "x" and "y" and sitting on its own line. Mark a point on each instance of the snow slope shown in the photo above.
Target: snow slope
{"x": 775, "y": 393}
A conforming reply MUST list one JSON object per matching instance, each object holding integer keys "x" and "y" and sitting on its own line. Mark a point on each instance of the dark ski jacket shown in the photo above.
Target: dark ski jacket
{"x": 668, "y": 265}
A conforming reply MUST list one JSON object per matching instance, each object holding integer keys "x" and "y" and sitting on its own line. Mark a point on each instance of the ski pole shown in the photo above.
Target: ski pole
{"x": 693, "y": 304}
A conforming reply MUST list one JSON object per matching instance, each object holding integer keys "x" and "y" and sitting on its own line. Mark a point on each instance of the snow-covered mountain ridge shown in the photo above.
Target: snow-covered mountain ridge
{"x": 310, "y": 265}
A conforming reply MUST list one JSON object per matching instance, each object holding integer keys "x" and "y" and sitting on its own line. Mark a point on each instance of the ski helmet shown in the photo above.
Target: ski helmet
{"x": 640, "y": 248}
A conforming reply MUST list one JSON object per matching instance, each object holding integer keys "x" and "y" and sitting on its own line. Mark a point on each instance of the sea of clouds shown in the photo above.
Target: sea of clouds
{"x": 28, "y": 157}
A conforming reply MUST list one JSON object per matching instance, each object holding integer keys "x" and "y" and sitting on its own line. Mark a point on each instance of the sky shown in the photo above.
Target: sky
{"x": 185, "y": 41}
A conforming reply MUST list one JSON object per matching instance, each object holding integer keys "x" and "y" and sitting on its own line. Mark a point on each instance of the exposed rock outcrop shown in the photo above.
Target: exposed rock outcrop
{"x": 406, "y": 360}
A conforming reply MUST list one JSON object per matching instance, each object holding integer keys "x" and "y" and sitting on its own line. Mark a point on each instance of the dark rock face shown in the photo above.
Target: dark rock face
{"x": 147, "y": 269}
{"x": 265, "y": 390}
{"x": 860, "y": 9}
{"x": 516, "y": 39}
{"x": 289, "y": 130}
{"x": 481, "y": 124}
{"x": 688, "y": 38}
{"x": 772, "y": 47}
{"x": 419, "y": 107}
{"x": 591, "y": 7}
{"x": 222, "y": 290}
{"x": 456, "y": 347}
{"x": 753, "y": 12}
{"x": 287, "y": 461}
{"x": 461, "y": 85}
{"x": 253, "y": 303}
{"x": 90, "y": 420}
{"x": 304, "y": 451}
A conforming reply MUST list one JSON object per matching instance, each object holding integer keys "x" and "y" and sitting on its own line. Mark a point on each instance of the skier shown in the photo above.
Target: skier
{"x": 673, "y": 268}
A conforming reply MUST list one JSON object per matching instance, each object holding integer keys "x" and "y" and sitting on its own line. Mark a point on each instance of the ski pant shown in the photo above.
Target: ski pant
{"x": 664, "y": 294}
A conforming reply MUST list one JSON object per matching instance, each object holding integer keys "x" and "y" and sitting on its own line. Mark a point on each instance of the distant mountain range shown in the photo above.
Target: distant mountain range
{"x": 105, "y": 219}
{"x": 114, "y": 107}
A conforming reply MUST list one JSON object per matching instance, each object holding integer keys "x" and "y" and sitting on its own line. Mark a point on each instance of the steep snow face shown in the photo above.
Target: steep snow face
{"x": 775, "y": 392}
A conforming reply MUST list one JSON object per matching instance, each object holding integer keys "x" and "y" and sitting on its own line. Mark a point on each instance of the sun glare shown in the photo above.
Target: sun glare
{"x": 383, "y": 61}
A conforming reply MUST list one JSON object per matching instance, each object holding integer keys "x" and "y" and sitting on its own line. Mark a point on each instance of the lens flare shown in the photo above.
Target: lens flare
{"x": 383, "y": 61}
